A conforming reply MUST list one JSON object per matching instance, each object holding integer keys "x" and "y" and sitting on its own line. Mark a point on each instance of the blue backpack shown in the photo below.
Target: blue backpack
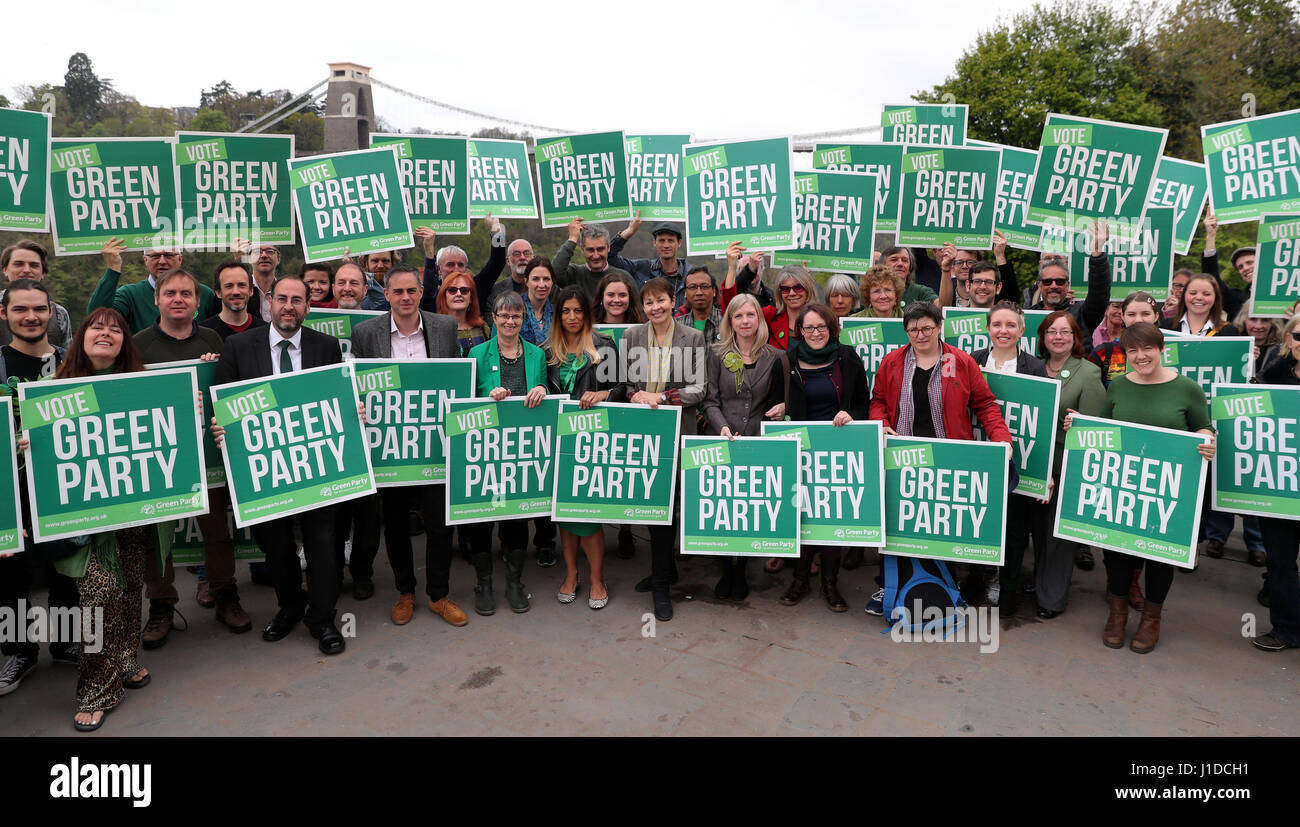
{"x": 916, "y": 589}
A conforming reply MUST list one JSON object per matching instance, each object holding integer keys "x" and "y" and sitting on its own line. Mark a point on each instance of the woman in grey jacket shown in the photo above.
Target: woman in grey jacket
{"x": 747, "y": 384}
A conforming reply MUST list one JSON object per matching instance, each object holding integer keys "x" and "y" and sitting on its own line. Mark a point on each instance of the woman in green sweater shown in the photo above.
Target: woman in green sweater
{"x": 1150, "y": 394}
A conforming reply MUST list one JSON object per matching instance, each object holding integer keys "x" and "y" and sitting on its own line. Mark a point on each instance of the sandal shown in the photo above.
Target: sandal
{"x": 138, "y": 681}
{"x": 93, "y": 725}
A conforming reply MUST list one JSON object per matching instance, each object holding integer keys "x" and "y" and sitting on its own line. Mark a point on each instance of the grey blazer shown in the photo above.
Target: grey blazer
{"x": 372, "y": 339}
{"x": 686, "y": 366}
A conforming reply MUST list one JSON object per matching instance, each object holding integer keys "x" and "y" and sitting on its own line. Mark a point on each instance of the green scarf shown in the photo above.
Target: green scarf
{"x": 812, "y": 356}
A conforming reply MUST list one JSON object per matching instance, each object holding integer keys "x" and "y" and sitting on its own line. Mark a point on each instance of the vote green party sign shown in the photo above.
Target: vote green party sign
{"x": 949, "y": 196}
{"x": 293, "y": 443}
{"x": 214, "y": 467}
{"x": 11, "y": 528}
{"x": 740, "y": 496}
{"x": 1257, "y": 457}
{"x": 1132, "y": 488}
{"x": 337, "y": 322}
{"x": 190, "y": 549}
{"x": 1277, "y": 266}
{"x": 234, "y": 186}
{"x": 435, "y": 179}
{"x": 739, "y": 191}
{"x": 1210, "y": 359}
{"x": 582, "y": 176}
{"x": 1143, "y": 261}
{"x": 873, "y": 339}
{"x": 350, "y": 202}
{"x": 103, "y": 188}
{"x": 1089, "y": 169}
{"x": 24, "y": 170}
{"x": 1183, "y": 186}
{"x": 110, "y": 452}
{"x": 499, "y": 459}
{"x": 967, "y": 328}
{"x": 925, "y": 123}
{"x": 616, "y": 463}
{"x": 1014, "y": 178}
{"x": 885, "y": 161}
{"x": 1029, "y": 408}
{"x": 654, "y": 176}
{"x": 946, "y": 499}
{"x": 836, "y": 216}
{"x": 1254, "y": 166}
{"x": 841, "y": 472}
{"x": 406, "y": 413}
{"x": 499, "y": 180}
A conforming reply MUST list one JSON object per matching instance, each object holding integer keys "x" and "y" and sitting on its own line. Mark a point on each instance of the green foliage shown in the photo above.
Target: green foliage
{"x": 84, "y": 89}
{"x": 308, "y": 130}
{"x": 210, "y": 120}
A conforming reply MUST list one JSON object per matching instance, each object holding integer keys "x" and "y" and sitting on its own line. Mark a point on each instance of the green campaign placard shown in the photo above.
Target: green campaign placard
{"x": 949, "y": 196}
{"x": 1253, "y": 165}
{"x": 1132, "y": 488}
{"x": 11, "y": 527}
{"x": 499, "y": 180}
{"x": 1014, "y": 178}
{"x": 655, "y": 182}
{"x": 1089, "y": 169}
{"x": 1029, "y": 408}
{"x": 500, "y": 459}
{"x": 234, "y": 186}
{"x": 1140, "y": 262}
{"x": 873, "y": 339}
{"x": 1277, "y": 266}
{"x": 582, "y": 176}
{"x": 841, "y": 494}
{"x": 102, "y": 188}
{"x": 740, "y": 496}
{"x": 967, "y": 328}
{"x": 204, "y": 373}
{"x": 835, "y": 217}
{"x": 406, "y": 413}
{"x": 925, "y": 123}
{"x": 1257, "y": 458}
{"x": 336, "y": 322}
{"x": 1210, "y": 359}
{"x": 294, "y": 443}
{"x": 111, "y": 452}
{"x": 617, "y": 463}
{"x": 614, "y": 331}
{"x": 946, "y": 499}
{"x": 188, "y": 543}
{"x": 1182, "y": 185}
{"x": 24, "y": 170}
{"x": 350, "y": 202}
{"x": 435, "y": 179}
{"x": 739, "y": 191}
{"x": 885, "y": 161}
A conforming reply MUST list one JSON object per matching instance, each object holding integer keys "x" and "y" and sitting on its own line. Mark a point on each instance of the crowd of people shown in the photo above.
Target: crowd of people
{"x": 730, "y": 351}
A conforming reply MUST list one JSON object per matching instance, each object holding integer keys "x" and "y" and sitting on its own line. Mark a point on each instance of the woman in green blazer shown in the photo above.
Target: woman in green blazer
{"x": 1060, "y": 344}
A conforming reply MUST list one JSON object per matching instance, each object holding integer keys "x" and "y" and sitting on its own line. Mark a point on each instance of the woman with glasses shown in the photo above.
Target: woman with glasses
{"x": 1150, "y": 394}
{"x": 458, "y": 298}
{"x": 1060, "y": 343}
{"x": 539, "y": 279}
{"x": 882, "y": 294}
{"x": 794, "y": 289}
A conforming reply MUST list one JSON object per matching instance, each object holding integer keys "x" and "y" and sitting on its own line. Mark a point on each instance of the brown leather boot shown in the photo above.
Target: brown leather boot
{"x": 1116, "y": 621}
{"x": 1135, "y": 598}
{"x": 230, "y": 613}
{"x": 799, "y": 585}
{"x": 830, "y": 586}
{"x": 1144, "y": 640}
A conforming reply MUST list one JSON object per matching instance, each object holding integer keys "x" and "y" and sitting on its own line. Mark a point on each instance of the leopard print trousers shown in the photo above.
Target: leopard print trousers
{"x": 99, "y": 683}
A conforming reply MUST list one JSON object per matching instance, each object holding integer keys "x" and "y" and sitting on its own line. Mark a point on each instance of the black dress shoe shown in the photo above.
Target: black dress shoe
{"x": 281, "y": 625}
{"x": 363, "y": 589}
{"x": 1046, "y": 614}
{"x": 663, "y": 606}
{"x": 331, "y": 640}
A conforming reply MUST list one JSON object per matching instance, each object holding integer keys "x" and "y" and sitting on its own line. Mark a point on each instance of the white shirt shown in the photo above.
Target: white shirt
{"x": 1006, "y": 367}
{"x": 264, "y": 302}
{"x": 295, "y": 349}
{"x": 407, "y": 347}
{"x": 1186, "y": 328}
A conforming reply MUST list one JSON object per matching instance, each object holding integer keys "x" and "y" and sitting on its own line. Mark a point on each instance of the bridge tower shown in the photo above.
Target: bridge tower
{"x": 349, "y": 108}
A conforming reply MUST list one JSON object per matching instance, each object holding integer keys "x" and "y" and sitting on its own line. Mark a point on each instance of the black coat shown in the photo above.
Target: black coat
{"x": 1026, "y": 364}
{"x": 247, "y": 355}
{"x": 590, "y": 375}
{"x": 855, "y": 392}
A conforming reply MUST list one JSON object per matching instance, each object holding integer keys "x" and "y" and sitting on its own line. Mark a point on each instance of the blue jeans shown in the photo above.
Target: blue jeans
{"x": 1218, "y": 525}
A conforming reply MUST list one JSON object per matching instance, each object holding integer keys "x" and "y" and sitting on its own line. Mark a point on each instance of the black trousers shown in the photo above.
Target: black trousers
{"x": 16, "y": 583}
{"x": 275, "y": 538}
{"x": 663, "y": 563}
{"x": 1119, "y": 574}
{"x": 431, "y": 502}
{"x": 359, "y": 519}
{"x": 543, "y": 533}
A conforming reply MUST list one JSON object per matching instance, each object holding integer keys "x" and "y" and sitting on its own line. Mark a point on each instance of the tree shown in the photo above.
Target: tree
{"x": 308, "y": 130}
{"x": 210, "y": 120}
{"x": 85, "y": 90}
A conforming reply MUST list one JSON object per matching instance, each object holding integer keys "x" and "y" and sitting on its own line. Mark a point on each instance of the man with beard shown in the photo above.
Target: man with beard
{"x": 349, "y": 287}
{"x": 1054, "y": 286}
{"x": 234, "y": 291}
{"x": 26, "y": 259}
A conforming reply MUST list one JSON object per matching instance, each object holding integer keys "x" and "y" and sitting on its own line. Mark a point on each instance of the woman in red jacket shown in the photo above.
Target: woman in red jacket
{"x": 795, "y": 289}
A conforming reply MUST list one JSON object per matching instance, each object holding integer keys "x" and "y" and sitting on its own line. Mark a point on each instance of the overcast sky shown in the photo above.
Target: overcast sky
{"x": 717, "y": 69}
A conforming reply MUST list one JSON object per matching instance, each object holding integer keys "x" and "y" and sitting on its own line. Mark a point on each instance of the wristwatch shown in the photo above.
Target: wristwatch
{"x": 663, "y": 399}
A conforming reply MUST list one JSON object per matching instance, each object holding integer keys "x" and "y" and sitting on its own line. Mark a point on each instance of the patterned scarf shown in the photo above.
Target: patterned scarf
{"x": 905, "y": 404}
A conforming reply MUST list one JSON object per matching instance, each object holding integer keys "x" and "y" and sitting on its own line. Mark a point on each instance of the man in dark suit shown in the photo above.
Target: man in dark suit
{"x": 281, "y": 347}
{"x": 407, "y": 332}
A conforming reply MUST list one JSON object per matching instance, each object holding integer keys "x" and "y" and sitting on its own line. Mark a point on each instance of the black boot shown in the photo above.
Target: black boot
{"x": 722, "y": 591}
{"x": 799, "y": 586}
{"x": 663, "y": 606}
{"x": 739, "y": 585}
{"x": 483, "y": 602}
{"x": 516, "y": 594}
{"x": 830, "y": 585}
{"x": 852, "y": 558}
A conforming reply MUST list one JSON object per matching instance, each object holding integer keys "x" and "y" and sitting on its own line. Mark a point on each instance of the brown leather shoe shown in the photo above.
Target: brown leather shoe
{"x": 1256, "y": 558}
{"x": 1144, "y": 640}
{"x": 1116, "y": 621}
{"x": 403, "y": 609}
{"x": 449, "y": 611}
{"x": 231, "y": 614}
{"x": 1213, "y": 548}
{"x": 159, "y": 624}
{"x": 203, "y": 595}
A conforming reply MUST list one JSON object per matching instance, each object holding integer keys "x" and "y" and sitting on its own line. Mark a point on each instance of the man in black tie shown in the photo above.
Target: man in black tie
{"x": 284, "y": 346}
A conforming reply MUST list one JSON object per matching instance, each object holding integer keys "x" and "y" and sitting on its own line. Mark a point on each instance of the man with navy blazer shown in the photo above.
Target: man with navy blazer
{"x": 407, "y": 332}
{"x": 283, "y": 346}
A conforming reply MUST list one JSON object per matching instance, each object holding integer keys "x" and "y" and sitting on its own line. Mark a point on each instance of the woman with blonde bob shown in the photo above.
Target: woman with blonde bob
{"x": 747, "y": 384}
